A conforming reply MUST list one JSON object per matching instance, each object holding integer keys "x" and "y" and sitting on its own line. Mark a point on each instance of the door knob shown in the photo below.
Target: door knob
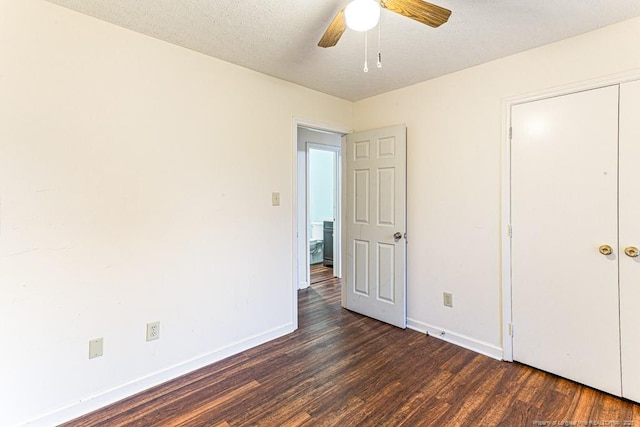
{"x": 632, "y": 251}
{"x": 606, "y": 250}
{"x": 397, "y": 236}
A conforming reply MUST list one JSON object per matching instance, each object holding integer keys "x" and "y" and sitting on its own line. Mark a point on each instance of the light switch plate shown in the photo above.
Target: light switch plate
{"x": 275, "y": 199}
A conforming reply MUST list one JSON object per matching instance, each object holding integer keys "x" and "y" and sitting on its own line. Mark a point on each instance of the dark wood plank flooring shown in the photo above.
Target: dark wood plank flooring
{"x": 320, "y": 273}
{"x": 343, "y": 369}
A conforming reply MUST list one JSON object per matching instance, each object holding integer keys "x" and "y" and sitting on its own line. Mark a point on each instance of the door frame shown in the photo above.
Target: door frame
{"x": 505, "y": 222}
{"x": 337, "y": 203}
{"x": 300, "y": 208}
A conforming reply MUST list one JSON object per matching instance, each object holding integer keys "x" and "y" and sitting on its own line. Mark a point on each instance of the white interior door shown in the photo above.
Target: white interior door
{"x": 629, "y": 217}
{"x": 375, "y": 283}
{"x": 564, "y": 155}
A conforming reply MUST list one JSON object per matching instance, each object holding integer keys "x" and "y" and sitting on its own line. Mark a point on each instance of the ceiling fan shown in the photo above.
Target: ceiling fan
{"x": 421, "y": 11}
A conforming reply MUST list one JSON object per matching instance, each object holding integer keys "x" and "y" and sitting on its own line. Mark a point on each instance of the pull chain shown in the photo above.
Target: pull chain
{"x": 379, "y": 54}
{"x": 366, "y": 37}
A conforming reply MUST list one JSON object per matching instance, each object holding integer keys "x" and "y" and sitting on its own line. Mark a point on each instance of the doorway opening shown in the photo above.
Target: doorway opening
{"x": 319, "y": 203}
{"x": 369, "y": 227}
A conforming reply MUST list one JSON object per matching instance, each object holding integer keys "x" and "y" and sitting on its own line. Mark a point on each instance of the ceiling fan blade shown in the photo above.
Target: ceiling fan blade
{"x": 421, "y": 11}
{"x": 334, "y": 31}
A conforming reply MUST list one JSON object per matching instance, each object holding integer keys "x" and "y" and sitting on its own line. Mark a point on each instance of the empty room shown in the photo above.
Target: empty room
{"x": 322, "y": 212}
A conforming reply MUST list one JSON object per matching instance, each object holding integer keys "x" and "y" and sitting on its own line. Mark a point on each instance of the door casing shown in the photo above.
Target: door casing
{"x": 337, "y": 201}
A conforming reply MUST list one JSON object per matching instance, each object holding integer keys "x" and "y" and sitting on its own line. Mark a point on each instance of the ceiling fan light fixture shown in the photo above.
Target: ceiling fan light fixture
{"x": 362, "y": 15}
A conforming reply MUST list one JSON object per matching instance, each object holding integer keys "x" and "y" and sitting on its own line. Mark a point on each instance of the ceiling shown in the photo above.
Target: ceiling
{"x": 279, "y": 38}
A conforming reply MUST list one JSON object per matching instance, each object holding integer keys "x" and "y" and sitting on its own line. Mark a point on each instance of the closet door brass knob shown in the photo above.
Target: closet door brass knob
{"x": 632, "y": 251}
{"x": 605, "y": 250}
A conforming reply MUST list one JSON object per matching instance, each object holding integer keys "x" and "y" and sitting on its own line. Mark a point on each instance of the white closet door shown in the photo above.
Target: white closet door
{"x": 564, "y": 206}
{"x": 630, "y": 237}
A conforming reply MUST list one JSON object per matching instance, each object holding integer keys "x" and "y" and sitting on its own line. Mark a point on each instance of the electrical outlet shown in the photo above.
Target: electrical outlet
{"x": 96, "y": 348}
{"x": 447, "y": 299}
{"x": 153, "y": 331}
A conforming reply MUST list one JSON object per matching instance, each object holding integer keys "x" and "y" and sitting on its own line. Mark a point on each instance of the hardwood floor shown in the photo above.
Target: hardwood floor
{"x": 320, "y": 273}
{"x": 343, "y": 369}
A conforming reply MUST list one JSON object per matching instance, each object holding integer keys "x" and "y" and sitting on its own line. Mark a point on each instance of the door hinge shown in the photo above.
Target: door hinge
{"x": 510, "y": 230}
{"x": 510, "y": 132}
{"x": 510, "y": 329}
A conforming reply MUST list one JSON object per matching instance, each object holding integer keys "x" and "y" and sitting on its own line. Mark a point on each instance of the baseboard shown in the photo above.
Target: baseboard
{"x": 108, "y": 397}
{"x": 457, "y": 339}
{"x": 303, "y": 285}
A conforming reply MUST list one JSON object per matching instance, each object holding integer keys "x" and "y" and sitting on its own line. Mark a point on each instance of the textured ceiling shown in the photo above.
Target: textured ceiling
{"x": 279, "y": 38}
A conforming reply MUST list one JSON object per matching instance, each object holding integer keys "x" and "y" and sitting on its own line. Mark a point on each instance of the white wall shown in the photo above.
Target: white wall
{"x": 454, "y": 126}
{"x": 135, "y": 185}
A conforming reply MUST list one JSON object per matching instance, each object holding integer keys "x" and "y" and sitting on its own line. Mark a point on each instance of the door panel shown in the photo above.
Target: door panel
{"x": 386, "y": 272}
{"x": 564, "y": 206}
{"x": 375, "y": 283}
{"x": 386, "y": 197}
{"x": 361, "y": 196}
{"x": 629, "y": 217}
{"x": 361, "y": 267}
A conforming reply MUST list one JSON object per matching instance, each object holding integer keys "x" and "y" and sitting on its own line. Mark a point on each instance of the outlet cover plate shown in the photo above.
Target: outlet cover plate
{"x": 96, "y": 348}
{"x": 153, "y": 331}
{"x": 447, "y": 299}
